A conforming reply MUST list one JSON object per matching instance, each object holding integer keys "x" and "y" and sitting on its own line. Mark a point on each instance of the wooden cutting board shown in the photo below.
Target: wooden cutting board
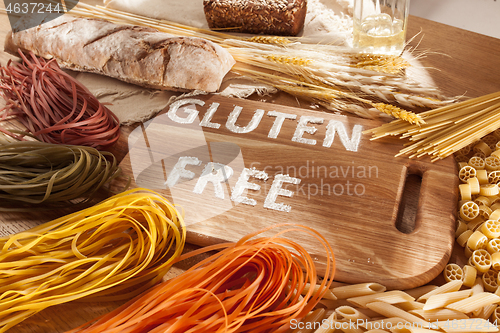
{"x": 237, "y": 166}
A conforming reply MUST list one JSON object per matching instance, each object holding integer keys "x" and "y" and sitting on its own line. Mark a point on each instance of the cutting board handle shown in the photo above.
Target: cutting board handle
{"x": 436, "y": 187}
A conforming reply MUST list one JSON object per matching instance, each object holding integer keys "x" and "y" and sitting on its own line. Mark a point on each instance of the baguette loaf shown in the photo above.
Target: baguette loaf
{"x": 270, "y": 17}
{"x": 133, "y": 54}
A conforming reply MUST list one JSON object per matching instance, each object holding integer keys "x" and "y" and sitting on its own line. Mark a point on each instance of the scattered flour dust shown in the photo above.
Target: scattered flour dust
{"x": 328, "y": 21}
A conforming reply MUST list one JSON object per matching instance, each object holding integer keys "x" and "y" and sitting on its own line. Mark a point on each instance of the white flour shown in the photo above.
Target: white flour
{"x": 328, "y": 21}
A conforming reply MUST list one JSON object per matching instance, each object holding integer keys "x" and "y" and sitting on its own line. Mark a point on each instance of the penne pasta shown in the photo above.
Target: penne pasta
{"x": 311, "y": 322}
{"x": 478, "y": 286}
{"x": 408, "y": 306}
{"x": 370, "y": 313}
{"x": 445, "y": 288}
{"x": 383, "y": 324}
{"x": 487, "y": 311}
{"x": 439, "y": 314}
{"x": 474, "y": 302}
{"x": 472, "y": 325}
{"x": 390, "y": 310}
{"x": 336, "y": 284}
{"x": 441, "y": 300}
{"x": 328, "y": 326}
{"x": 350, "y": 314}
{"x": 331, "y": 304}
{"x": 411, "y": 330}
{"x": 356, "y": 290}
{"x": 329, "y": 295}
{"x": 390, "y": 297}
{"x": 420, "y": 291}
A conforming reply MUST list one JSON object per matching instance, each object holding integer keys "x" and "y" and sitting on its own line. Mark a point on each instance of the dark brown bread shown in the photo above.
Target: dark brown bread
{"x": 268, "y": 17}
{"x": 137, "y": 55}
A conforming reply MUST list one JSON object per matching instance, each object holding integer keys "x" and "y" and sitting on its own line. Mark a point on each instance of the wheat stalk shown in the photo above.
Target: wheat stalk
{"x": 327, "y": 95}
{"x": 274, "y": 40}
{"x": 380, "y": 63}
{"x": 313, "y": 70}
{"x": 360, "y": 76}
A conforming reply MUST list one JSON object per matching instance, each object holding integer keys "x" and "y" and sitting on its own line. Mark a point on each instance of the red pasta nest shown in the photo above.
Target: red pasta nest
{"x": 53, "y": 106}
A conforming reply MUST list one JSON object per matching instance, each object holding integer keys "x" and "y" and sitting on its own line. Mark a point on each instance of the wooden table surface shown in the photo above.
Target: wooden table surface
{"x": 459, "y": 62}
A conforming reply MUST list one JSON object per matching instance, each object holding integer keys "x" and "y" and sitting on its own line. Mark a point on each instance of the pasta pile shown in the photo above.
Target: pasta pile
{"x": 369, "y": 308}
{"x": 37, "y": 172}
{"x": 254, "y": 285}
{"x": 113, "y": 250}
{"x": 53, "y": 106}
{"x": 478, "y": 226}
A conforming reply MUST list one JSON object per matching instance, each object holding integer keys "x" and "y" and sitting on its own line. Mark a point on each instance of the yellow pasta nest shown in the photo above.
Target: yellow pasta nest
{"x": 114, "y": 250}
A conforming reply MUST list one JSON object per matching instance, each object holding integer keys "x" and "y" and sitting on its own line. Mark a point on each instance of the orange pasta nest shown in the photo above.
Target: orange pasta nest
{"x": 254, "y": 285}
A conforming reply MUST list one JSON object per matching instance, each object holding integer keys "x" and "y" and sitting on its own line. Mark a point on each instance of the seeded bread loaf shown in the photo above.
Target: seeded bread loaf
{"x": 269, "y": 17}
{"x": 133, "y": 54}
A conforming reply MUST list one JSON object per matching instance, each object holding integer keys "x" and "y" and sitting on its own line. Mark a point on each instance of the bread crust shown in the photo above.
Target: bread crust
{"x": 138, "y": 55}
{"x": 269, "y": 17}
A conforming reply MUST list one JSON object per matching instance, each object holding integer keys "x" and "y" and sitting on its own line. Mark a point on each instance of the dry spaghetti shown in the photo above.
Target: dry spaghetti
{"x": 115, "y": 250}
{"x": 254, "y": 285}
{"x": 447, "y": 129}
{"x": 38, "y": 172}
{"x": 53, "y": 106}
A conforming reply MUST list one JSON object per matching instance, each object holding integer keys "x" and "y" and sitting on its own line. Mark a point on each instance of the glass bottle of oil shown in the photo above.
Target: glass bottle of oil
{"x": 380, "y": 25}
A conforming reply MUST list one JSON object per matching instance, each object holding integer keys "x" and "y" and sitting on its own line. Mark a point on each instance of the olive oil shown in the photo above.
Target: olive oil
{"x": 379, "y": 34}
